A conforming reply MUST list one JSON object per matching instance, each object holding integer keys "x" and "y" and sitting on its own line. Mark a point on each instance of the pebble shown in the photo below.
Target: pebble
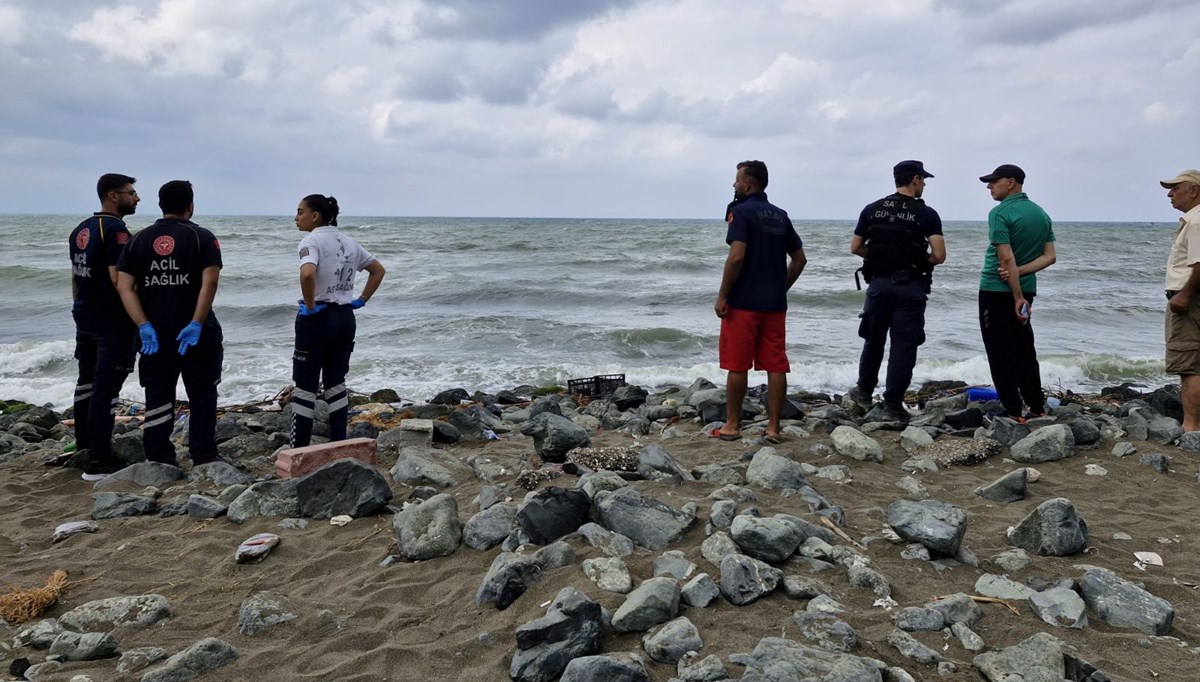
{"x": 1095, "y": 470}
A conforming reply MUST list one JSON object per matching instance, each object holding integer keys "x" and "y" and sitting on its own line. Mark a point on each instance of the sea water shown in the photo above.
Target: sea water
{"x": 494, "y": 303}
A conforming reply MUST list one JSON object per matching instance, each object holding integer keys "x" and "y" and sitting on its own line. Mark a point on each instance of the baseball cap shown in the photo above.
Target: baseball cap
{"x": 1190, "y": 175}
{"x": 1006, "y": 170}
{"x": 911, "y": 167}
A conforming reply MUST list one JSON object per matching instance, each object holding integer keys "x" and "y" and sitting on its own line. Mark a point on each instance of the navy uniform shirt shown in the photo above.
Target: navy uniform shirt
{"x": 166, "y": 261}
{"x": 95, "y": 245}
{"x": 769, "y": 237}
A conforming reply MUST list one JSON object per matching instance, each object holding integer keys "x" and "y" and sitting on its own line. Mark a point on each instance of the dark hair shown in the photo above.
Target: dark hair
{"x": 326, "y": 206}
{"x": 906, "y": 179}
{"x": 111, "y": 182}
{"x": 175, "y": 197}
{"x": 756, "y": 170}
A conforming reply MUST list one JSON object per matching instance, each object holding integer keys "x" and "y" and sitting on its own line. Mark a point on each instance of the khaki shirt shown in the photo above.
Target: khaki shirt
{"x": 1185, "y": 250}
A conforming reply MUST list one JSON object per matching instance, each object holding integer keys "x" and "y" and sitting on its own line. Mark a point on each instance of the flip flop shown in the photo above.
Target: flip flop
{"x": 716, "y": 433}
{"x": 773, "y": 440}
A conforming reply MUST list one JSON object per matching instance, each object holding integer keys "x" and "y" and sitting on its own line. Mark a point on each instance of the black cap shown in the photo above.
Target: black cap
{"x": 1005, "y": 171}
{"x": 910, "y": 168}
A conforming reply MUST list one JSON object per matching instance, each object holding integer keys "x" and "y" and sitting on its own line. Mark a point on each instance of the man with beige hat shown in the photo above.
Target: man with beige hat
{"x": 1183, "y": 305}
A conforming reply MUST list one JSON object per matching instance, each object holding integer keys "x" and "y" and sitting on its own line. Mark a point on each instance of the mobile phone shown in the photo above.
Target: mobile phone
{"x": 1024, "y": 309}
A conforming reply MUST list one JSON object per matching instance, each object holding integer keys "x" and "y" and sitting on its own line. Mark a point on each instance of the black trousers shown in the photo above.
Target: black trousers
{"x": 105, "y": 353}
{"x": 201, "y": 372}
{"x": 324, "y": 343}
{"x": 898, "y": 310}
{"x": 1011, "y": 355}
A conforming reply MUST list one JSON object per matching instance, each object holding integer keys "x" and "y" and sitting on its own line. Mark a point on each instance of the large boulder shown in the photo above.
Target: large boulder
{"x": 1054, "y": 528}
{"x": 429, "y": 529}
{"x": 936, "y": 525}
{"x": 645, "y": 520}
{"x": 769, "y": 469}
{"x": 767, "y": 539}
{"x": 554, "y": 436}
{"x": 342, "y": 487}
{"x": 572, "y": 627}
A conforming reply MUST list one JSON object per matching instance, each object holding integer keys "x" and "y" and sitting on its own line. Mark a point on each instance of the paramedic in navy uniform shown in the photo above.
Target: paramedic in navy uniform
{"x": 168, "y": 280}
{"x": 104, "y": 335}
{"x": 325, "y": 321}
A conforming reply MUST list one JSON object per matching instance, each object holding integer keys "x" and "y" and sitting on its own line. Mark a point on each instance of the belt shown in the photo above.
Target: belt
{"x": 1171, "y": 293}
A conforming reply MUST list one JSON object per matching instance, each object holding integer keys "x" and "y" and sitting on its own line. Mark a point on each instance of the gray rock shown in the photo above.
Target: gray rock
{"x": 654, "y": 463}
{"x": 88, "y": 646}
{"x": 775, "y": 659}
{"x": 1190, "y": 441}
{"x": 958, "y": 608}
{"x": 40, "y": 635}
{"x": 769, "y": 469}
{"x": 486, "y": 469}
{"x": 1123, "y": 604}
{"x": 572, "y": 628}
{"x": 1012, "y": 560}
{"x": 205, "y": 507}
{"x": 261, "y": 611}
{"x": 824, "y": 604}
{"x": 1163, "y": 430}
{"x": 800, "y": 587}
{"x": 708, "y": 669}
{"x": 966, "y": 417}
{"x": 418, "y": 465}
{"x": 65, "y": 530}
{"x": 489, "y": 527}
{"x": 1037, "y": 659}
{"x": 859, "y": 575}
{"x": 722, "y": 513}
{"x": 342, "y": 487}
{"x": 219, "y": 473}
{"x": 1054, "y": 528}
{"x": 826, "y": 631}
{"x": 554, "y": 436}
{"x": 913, "y": 437}
{"x": 1156, "y": 460}
{"x": 673, "y": 564}
{"x": 142, "y": 474}
{"x": 612, "y": 544}
{"x": 607, "y": 668}
{"x": 202, "y": 657}
{"x": 1060, "y": 606}
{"x": 1010, "y": 487}
{"x": 103, "y": 615}
{"x": 834, "y": 472}
{"x": 1046, "y": 444}
{"x": 509, "y": 576}
{"x": 770, "y": 540}
{"x": 1000, "y": 587}
{"x": 937, "y": 525}
{"x": 553, "y": 512}
{"x": 967, "y": 637}
{"x": 42, "y": 671}
{"x": 745, "y": 580}
{"x": 911, "y": 649}
{"x": 919, "y": 619}
{"x": 915, "y": 552}
{"x": 1085, "y": 431}
{"x": 645, "y": 520}
{"x": 140, "y": 658}
{"x": 109, "y": 505}
{"x": 852, "y": 443}
{"x": 717, "y": 546}
{"x": 609, "y": 573}
{"x": 597, "y": 481}
{"x": 555, "y": 555}
{"x": 700, "y": 591}
{"x": 1008, "y": 432}
{"x": 675, "y": 638}
{"x": 429, "y": 529}
{"x": 1123, "y": 449}
{"x": 267, "y": 498}
{"x": 915, "y": 489}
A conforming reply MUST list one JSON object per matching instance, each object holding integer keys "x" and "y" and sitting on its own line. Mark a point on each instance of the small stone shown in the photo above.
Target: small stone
{"x": 1012, "y": 560}
{"x": 66, "y": 530}
{"x": 1060, "y": 607}
{"x": 256, "y": 548}
{"x": 654, "y": 601}
{"x": 912, "y": 649}
{"x": 967, "y": 637}
{"x": 1123, "y": 449}
{"x": 919, "y": 619}
{"x": 1054, "y": 528}
{"x": 669, "y": 643}
{"x": 1000, "y": 587}
{"x": 1094, "y": 470}
{"x": 1157, "y": 461}
{"x": 204, "y": 656}
{"x": 610, "y": 574}
{"x": 700, "y": 591}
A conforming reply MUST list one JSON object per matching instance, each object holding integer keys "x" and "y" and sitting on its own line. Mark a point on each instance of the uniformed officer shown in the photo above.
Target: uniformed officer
{"x": 900, "y": 240}
{"x": 104, "y": 335}
{"x": 325, "y": 323}
{"x": 167, "y": 282}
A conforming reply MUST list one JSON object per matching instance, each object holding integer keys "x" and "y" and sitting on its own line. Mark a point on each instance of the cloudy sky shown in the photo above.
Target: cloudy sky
{"x": 597, "y": 108}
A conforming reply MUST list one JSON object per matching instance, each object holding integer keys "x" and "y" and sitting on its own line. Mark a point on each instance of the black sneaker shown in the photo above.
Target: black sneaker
{"x": 99, "y": 470}
{"x": 896, "y": 413}
{"x": 860, "y": 398}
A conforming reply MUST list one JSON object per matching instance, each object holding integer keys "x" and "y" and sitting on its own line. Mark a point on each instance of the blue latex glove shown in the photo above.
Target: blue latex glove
{"x": 189, "y": 337}
{"x": 357, "y": 303}
{"x": 149, "y": 338}
{"x": 306, "y": 311}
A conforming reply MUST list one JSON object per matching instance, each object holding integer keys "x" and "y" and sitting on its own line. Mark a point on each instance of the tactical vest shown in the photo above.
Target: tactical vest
{"x": 895, "y": 240}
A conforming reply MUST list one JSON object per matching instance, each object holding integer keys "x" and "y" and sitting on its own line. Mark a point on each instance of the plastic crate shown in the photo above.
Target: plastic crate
{"x": 597, "y": 386}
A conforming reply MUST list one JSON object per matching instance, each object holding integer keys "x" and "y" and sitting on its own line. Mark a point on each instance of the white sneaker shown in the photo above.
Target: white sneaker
{"x": 92, "y": 478}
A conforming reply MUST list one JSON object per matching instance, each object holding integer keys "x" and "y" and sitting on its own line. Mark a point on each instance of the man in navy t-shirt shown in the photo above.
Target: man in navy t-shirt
{"x": 765, "y": 258}
{"x": 168, "y": 280}
{"x": 104, "y": 335}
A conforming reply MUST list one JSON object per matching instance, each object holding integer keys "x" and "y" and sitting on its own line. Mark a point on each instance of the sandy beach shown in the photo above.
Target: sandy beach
{"x": 358, "y": 620}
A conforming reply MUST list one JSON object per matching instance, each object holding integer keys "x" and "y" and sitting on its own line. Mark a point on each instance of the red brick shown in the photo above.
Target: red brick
{"x": 296, "y": 462}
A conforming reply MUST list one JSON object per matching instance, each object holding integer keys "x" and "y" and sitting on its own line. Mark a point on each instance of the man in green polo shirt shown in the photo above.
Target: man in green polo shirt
{"x": 1020, "y": 242}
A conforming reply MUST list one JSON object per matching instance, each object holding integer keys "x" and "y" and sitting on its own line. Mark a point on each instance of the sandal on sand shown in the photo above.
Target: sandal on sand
{"x": 773, "y": 440}
{"x": 716, "y": 433}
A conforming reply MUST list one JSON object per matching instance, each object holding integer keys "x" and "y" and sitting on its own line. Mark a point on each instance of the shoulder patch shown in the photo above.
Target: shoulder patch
{"x": 216, "y": 243}
{"x": 122, "y": 237}
{"x": 82, "y": 238}
{"x": 304, "y": 251}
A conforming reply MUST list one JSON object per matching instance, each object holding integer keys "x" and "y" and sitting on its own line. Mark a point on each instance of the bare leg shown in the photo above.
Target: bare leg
{"x": 1190, "y": 394}
{"x": 776, "y": 392}
{"x": 735, "y": 395}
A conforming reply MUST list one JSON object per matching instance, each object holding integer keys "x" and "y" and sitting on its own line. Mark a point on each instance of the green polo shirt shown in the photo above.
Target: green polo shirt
{"x": 1024, "y": 226}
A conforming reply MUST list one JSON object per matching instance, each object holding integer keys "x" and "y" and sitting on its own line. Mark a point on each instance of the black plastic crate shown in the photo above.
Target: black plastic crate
{"x": 595, "y": 387}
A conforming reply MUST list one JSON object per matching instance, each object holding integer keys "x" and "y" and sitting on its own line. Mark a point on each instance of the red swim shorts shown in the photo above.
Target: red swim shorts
{"x": 753, "y": 338}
